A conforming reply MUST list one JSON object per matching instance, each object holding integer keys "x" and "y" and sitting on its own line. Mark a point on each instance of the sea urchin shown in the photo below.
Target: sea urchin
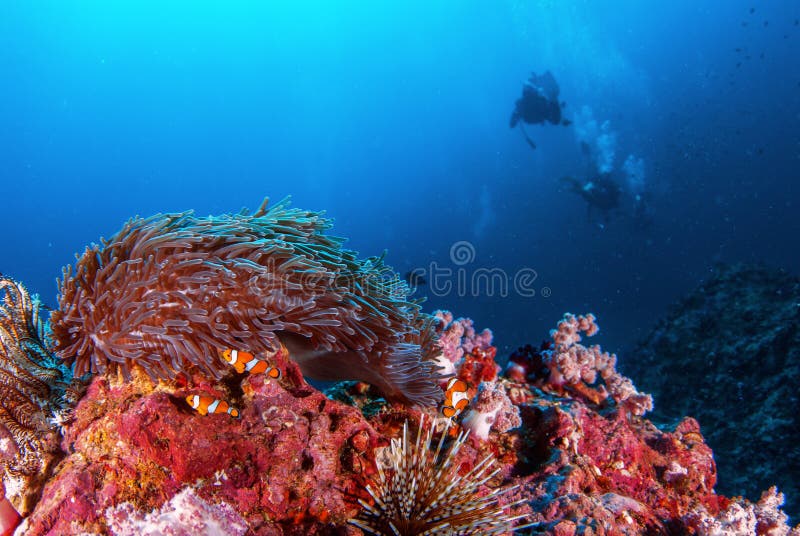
{"x": 419, "y": 492}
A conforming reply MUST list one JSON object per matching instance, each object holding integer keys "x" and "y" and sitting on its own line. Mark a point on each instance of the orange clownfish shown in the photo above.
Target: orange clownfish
{"x": 207, "y": 404}
{"x": 455, "y": 398}
{"x": 245, "y": 361}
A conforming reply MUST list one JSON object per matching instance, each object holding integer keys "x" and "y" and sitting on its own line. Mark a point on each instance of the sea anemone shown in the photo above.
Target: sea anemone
{"x": 36, "y": 392}
{"x": 166, "y": 293}
{"x": 419, "y": 491}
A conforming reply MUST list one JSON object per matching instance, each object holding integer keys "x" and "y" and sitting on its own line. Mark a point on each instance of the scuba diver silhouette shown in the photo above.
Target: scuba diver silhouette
{"x": 538, "y": 104}
{"x": 601, "y": 194}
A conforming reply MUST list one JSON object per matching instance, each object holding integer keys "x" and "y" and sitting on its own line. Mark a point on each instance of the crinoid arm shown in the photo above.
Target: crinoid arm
{"x": 36, "y": 390}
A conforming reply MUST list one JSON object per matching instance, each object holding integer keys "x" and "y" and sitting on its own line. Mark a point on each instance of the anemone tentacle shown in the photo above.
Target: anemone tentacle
{"x": 166, "y": 292}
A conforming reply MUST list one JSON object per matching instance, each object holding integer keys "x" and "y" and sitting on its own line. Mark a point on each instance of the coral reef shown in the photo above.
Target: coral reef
{"x": 201, "y": 332}
{"x": 140, "y": 460}
{"x": 166, "y": 292}
{"x": 36, "y": 392}
{"x": 734, "y": 345}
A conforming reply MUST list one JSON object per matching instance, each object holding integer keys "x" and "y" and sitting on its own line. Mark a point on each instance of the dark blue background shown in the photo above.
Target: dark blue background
{"x": 394, "y": 119}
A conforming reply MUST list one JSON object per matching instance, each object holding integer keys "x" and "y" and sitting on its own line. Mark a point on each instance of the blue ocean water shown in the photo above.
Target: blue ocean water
{"x": 394, "y": 118}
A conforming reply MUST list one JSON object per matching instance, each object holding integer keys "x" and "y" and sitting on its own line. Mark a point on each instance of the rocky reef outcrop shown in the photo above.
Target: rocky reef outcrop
{"x": 729, "y": 355}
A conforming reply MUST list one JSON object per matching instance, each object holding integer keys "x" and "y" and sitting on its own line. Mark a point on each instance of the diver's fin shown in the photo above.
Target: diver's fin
{"x": 527, "y": 138}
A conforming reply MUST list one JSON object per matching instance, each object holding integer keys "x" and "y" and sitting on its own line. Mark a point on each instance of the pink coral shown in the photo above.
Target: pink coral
{"x": 457, "y": 338}
{"x": 491, "y": 410}
{"x": 450, "y": 334}
{"x": 466, "y": 354}
{"x": 570, "y": 327}
{"x": 185, "y": 514}
{"x": 763, "y": 518}
{"x": 576, "y": 367}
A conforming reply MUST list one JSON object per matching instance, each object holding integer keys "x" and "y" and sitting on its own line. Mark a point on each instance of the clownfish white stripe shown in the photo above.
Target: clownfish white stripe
{"x": 212, "y": 407}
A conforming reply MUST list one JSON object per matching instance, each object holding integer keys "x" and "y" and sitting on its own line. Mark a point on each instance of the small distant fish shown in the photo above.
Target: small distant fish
{"x": 455, "y": 398}
{"x": 738, "y": 49}
{"x": 752, "y": 10}
{"x": 415, "y": 278}
{"x": 566, "y": 122}
{"x": 207, "y": 404}
{"x": 766, "y": 23}
{"x": 247, "y": 362}
{"x": 744, "y": 23}
{"x": 738, "y": 64}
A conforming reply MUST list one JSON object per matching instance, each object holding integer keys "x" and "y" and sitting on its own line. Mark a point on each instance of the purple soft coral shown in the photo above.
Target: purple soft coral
{"x": 575, "y": 367}
{"x": 457, "y": 337}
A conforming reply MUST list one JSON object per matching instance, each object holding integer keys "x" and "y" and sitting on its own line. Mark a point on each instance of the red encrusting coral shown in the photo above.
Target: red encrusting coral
{"x": 286, "y": 466}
